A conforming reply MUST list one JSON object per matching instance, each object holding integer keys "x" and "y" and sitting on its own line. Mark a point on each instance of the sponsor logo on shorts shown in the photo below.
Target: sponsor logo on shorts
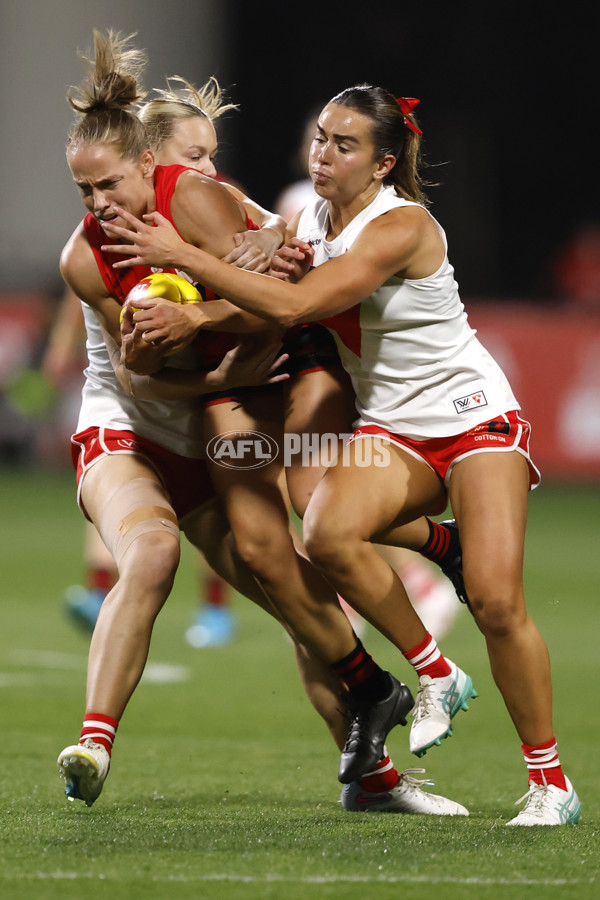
{"x": 471, "y": 401}
{"x": 490, "y": 437}
{"x": 498, "y": 427}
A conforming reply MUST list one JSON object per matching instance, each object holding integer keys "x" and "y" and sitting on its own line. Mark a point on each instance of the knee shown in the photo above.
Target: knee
{"x": 327, "y": 539}
{"x": 498, "y": 610}
{"x": 151, "y": 562}
{"x": 265, "y": 553}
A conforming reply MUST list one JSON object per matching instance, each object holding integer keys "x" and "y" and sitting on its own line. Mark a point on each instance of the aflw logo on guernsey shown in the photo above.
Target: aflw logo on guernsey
{"x": 471, "y": 401}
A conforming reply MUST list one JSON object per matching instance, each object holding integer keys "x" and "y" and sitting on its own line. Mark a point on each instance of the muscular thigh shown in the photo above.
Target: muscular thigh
{"x": 246, "y": 459}
{"x": 317, "y": 403}
{"x": 374, "y": 486}
{"x": 124, "y": 497}
{"x": 488, "y": 493}
{"x": 245, "y": 435}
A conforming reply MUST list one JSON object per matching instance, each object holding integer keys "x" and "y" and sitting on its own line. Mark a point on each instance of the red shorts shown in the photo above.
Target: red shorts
{"x": 503, "y": 433}
{"x": 186, "y": 479}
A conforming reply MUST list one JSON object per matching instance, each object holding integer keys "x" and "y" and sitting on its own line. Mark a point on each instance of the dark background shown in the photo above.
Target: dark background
{"x": 508, "y": 109}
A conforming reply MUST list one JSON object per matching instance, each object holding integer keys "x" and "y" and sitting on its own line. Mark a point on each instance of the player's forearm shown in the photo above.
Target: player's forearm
{"x": 274, "y": 226}
{"x": 168, "y": 384}
{"x": 221, "y": 315}
{"x": 264, "y": 297}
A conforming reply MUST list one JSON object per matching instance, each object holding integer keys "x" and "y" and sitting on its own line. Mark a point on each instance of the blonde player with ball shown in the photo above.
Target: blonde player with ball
{"x": 138, "y": 449}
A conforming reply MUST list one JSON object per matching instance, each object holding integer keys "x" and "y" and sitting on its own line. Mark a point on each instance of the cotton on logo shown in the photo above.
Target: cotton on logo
{"x": 463, "y": 404}
{"x": 242, "y": 450}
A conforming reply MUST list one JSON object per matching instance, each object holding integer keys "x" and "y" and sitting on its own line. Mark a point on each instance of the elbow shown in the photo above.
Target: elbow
{"x": 139, "y": 387}
{"x": 135, "y": 386}
{"x": 287, "y": 321}
{"x": 295, "y": 314}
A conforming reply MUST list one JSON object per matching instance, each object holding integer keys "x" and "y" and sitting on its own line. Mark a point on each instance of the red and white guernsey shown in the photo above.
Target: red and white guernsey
{"x": 416, "y": 364}
{"x": 174, "y": 425}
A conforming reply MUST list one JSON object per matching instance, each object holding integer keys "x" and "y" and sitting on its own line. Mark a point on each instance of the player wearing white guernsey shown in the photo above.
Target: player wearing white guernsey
{"x": 138, "y": 451}
{"x": 437, "y": 417}
{"x": 407, "y": 338}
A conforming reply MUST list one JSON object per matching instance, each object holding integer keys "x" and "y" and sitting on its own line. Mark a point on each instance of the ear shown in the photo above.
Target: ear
{"x": 147, "y": 163}
{"x": 385, "y": 166}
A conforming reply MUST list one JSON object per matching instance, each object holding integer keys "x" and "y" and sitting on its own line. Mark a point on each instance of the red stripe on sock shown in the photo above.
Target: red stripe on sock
{"x": 358, "y": 671}
{"x": 438, "y": 543}
{"x": 543, "y": 763}
{"x": 384, "y": 778}
{"x": 93, "y": 728}
{"x": 437, "y": 668}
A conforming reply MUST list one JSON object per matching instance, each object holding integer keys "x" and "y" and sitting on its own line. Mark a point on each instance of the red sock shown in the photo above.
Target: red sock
{"x": 99, "y": 728}
{"x": 384, "y": 777}
{"x": 543, "y": 764}
{"x": 215, "y": 591}
{"x": 426, "y": 658}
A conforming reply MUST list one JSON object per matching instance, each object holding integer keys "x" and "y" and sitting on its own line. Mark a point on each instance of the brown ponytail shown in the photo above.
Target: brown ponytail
{"x": 390, "y": 134}
{"x": 106, "y": 99}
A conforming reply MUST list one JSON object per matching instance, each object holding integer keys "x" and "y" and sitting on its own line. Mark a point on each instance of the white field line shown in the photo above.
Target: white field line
{"x": 48, "y": 659}
{"x": 316, "y": 879}
{"x": 154, "y": 673}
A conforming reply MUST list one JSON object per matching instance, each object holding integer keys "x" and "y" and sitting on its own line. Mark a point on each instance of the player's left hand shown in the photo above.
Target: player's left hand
{"x": 170, "y": 325}
{"x": 139, "y": 353}
{"x": 253, "y": 251}
{"x": 246, "y": 365}
{"x": 292, "y": 261}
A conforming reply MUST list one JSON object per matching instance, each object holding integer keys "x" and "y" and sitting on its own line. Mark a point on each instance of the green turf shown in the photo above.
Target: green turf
{"x": 224, "y": 785}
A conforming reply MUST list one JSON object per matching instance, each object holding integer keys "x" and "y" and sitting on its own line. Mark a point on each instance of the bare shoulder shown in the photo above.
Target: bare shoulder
{"x": 198, "y": 195}
{"x": 79, "y": 269}
{"x": 407, "y": 220}
{"x": 206, "y": 213}
{"x": 405, "y": 240}
{"x": 77, "y": 263}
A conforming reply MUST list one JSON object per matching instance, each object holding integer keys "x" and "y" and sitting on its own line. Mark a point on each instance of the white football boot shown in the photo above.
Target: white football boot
{"x": 438, "y": 701}
{"x": 84, "y": 768}
{"x": 548, "y": 805}
{"x": 407, "y": 796}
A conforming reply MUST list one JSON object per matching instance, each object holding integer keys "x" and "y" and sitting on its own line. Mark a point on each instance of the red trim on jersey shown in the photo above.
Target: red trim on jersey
{"x": 210, "y": 346}
{"x": 120, "y": 281}
{"x": 347, "y": 327}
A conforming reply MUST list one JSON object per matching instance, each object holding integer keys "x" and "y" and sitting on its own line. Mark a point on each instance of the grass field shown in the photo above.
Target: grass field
{"x": 224, "y": 781}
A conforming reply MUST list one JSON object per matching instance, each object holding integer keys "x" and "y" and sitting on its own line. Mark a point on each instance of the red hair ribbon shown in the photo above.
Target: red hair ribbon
{"x": 407, "y": 104}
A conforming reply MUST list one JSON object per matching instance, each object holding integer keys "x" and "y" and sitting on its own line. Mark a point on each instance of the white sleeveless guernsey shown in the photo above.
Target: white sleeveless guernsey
{"x": 175, "y": 425}
{"x": 416, "y": 364}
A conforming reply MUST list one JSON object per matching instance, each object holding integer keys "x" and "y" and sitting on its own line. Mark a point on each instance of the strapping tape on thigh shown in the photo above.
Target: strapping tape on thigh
{"x": 146, "y": 512}
{"x": 138, "y": 507}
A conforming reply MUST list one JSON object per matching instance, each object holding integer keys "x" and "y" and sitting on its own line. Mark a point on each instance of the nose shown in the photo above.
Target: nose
{"x": 99, "y": 200}
{"x": 210, "y": 169}
{"x": 322, "y": 153}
